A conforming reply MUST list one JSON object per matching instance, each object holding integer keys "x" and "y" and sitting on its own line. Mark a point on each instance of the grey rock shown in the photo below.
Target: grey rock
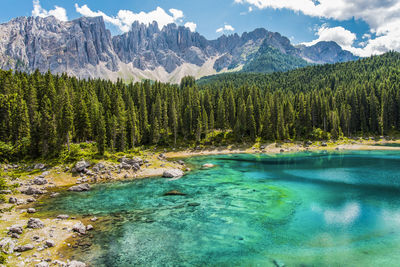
{"x": 14, "y": 235}
{"x": 79, "y": 228}
{"x": 54, "y": 194}
{"x": 50, "y": 243}
{"x": 63, "y": 216}
{"x": 80, "y": 166}
{"x": 12, "y": 200}
{"x": 76, "y": 264}
{"x": 79, "y": 188}
{"x": 58, "y": 263}
{"x": 39, "y": 166}
{"x": 42, "y": 264}
{"x": 173, "y": 173}
{"x": 17, "y": 229}
{"x": 35, "y": 223}
{"x": 24, "y": 248}
{"x": 7, "y": 245}
{"x": 5, "y": 192}
{"x": 32, "y": 191}
{"x": 39, "y": 181}
{"x": 31, "y": 210}
{"x": 89, "y": 227}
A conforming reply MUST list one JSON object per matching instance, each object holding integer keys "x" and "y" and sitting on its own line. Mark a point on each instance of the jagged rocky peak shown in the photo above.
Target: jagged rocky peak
{"x": 47, "y": 43}
{"x": 326, "y": 52}
{"x": 147, "y": 47}
{"x": 85, "y": 48}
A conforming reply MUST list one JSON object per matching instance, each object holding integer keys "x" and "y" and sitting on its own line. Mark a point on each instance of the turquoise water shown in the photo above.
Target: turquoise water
{"x": 389, "y": 144}
{"x": 303, "y": 209}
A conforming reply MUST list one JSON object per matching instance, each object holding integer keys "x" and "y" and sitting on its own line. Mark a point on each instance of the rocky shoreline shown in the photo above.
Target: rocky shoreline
{"x": 29, "y": 238}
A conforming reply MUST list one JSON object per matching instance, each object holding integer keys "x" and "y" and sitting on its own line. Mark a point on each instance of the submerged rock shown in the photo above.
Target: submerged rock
{"x": 79, "y": 188}
{"x": 174, "y": 193}
{"x": 208, "y": 165}
{"x": 173, "y": 173}
{"x": 35, "y": 223}
{"x": 278, "y": 263}
{"x": 194, "y": 204}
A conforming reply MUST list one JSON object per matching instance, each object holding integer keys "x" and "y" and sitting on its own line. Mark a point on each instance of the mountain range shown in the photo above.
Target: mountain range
{"x": 86, "y": 49}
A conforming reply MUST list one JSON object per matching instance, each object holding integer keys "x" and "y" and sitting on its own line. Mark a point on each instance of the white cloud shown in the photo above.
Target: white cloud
{"x": 225, "y": 28}
{"x": 382, "y": 16}
{"x": 191, "y": 25}
{"x": 340, "y": 35}
{"x": 58, "y": 12}
{"x": 125, "y": 18}
{"x": 176, "y": 13}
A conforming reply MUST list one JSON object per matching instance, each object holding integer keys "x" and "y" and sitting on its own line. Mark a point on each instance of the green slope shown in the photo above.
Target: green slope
{"x": 269, "y": 59}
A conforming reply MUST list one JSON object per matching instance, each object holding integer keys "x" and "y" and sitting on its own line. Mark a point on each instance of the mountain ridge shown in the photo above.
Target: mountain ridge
{"x": 85, "y": 48}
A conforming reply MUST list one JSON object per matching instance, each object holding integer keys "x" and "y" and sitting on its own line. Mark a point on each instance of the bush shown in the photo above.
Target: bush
{"x": 6, "y": 151}
{"x": 3, "y": 259}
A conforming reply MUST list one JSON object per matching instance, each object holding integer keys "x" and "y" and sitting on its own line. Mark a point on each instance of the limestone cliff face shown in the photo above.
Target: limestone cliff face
{"x": 46, "y": 43}
{"x": 85, "y": 48}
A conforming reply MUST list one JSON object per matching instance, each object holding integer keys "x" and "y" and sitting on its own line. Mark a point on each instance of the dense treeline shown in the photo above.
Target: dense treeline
{"x": 42, "y": 113}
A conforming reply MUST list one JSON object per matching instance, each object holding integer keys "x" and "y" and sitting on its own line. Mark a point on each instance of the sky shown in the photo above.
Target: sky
{"x": 364, "y": 27}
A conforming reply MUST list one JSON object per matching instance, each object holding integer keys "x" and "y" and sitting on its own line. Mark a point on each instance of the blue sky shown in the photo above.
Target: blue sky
{"x": 362, "y": 26}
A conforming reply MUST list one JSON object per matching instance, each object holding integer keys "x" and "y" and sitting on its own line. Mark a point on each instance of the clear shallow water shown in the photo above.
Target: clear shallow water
{"x": 303, "y": 209}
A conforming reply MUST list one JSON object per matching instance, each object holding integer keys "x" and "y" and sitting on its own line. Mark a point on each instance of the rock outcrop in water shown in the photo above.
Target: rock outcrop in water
{"x": 173, "y": 173}
{"x": 85, "y": 48}
{"x": 79, "y": 188}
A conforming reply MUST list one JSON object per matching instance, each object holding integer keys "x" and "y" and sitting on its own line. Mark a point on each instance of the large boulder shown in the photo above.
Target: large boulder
{"x": 39, "y": 166}
{"x": 79, "y": 228}
{"x": 133, "y": 163}
{"x": 24, "y": 248}
{"x": 76, "y": 264}
{"x": 32, "y": 191}
{"x": 17, "y": 229}
{"x": 79, "y": 188}
{"x": 39, "y": 180}
{"x": 35, "y": 223}
{"x": 7, "y": 245}
{"x": 173, "y": 173}
{"x": 81, "y": 165}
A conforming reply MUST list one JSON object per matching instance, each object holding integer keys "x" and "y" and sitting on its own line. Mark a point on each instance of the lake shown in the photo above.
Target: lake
{"x": 300, "y": 209}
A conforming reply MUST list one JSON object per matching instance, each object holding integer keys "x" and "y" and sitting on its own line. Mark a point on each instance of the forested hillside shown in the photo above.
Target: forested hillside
{"x": 269, "y": 60}
{"x": 40, "y": 114}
